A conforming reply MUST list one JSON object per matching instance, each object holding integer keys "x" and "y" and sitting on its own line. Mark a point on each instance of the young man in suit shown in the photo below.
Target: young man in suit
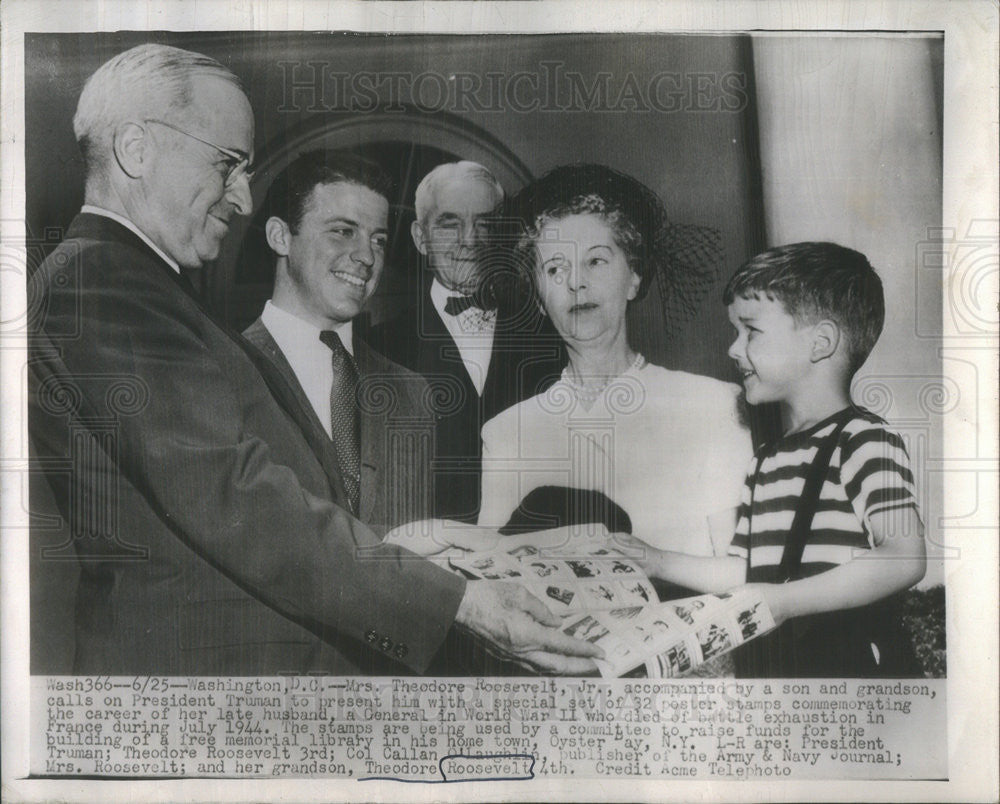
{"x": 327, "y": 226}
{"x": 481, "y": 343}
{"x": 208, "y": 539}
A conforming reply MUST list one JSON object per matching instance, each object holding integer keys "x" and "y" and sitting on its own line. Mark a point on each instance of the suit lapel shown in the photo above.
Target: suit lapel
{"x": 437, "y": 352}
{"x": 288, "y": 391}
{"x": 259, "y": 347}
{"x": 500, "y": 375}
{"x": 527, "y": 356}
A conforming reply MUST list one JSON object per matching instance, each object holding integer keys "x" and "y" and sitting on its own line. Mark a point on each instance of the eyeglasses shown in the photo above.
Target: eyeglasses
{"x": 237, "y": 162}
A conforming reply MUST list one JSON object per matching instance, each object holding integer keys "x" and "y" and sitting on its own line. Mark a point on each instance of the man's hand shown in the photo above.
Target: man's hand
{"x": 516, "y": 626}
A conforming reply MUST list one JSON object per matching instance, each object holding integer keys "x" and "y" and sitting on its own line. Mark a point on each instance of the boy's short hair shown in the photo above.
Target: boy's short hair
{"x": 815, "y": 281}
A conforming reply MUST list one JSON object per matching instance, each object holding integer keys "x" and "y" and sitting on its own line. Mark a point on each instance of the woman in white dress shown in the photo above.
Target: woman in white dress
{"x": 664, "y": 451}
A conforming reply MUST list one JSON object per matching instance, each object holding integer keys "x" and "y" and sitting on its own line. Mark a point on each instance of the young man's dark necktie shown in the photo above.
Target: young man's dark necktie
{"x": 345, "y": 426}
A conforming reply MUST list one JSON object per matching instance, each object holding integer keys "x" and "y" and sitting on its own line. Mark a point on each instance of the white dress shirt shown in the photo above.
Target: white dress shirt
{"x": 308, "y": 356}
{"x": 107, "y": 213}
{"x": 472, "y": 330}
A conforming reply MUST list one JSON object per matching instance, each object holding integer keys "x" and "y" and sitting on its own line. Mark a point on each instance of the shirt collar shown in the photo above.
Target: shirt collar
{"x": 284, "y": 325}
{"x": 440, "y": 294}
{"x": 107, "y": 213}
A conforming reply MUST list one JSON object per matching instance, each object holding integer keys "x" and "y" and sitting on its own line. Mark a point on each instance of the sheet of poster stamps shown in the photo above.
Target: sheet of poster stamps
{"x": 597, "y": 577}
{"x": 869, "y": 124}
{"x": 605, "y": 598}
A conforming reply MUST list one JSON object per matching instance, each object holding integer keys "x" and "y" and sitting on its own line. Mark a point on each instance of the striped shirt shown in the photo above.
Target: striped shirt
{"x": 869, "y": 473}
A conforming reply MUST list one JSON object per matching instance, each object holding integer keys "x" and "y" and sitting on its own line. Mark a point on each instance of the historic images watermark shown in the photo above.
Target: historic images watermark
{"x": 317, "y": 86}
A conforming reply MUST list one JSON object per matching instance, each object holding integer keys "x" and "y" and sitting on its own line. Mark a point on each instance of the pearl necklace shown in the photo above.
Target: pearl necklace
{"x": 588, "y": 395}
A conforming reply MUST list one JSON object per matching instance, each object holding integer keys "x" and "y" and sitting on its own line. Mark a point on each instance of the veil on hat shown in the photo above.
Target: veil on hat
{"x": 683, "y": 259}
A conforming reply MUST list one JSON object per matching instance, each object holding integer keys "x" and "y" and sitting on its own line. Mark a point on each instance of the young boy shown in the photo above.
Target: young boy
{"x": 828, "y": 523}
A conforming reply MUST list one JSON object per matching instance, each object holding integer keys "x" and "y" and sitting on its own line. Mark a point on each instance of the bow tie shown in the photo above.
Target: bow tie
{"x": 455, "y": 305}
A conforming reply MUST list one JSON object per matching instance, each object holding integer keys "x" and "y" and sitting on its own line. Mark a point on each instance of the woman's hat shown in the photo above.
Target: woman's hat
{"x": 683, "y": 259}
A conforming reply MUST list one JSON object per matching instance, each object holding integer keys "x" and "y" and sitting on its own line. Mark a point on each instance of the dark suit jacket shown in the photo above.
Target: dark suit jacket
{"x": 527, "y": 357}
{"x": 397, "y": 433}
{"x": 202, "y": 521}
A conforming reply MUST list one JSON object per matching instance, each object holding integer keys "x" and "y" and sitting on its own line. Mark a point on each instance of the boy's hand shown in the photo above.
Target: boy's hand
{"x": 896, "y": 562}
{"x": 649, "y": 559}
{"x": 701, "y": 573}
{"x": 775, "y": 597}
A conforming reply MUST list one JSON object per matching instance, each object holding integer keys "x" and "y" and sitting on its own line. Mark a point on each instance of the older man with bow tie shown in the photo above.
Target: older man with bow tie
{"x": 481, "y": 347}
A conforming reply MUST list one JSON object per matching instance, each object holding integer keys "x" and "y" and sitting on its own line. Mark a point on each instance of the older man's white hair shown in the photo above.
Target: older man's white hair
{"x": 451, "y": 171}
{"x": 148, "y": 81}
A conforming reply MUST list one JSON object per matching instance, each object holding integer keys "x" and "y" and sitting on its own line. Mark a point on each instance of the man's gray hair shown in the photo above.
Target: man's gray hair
{"x": 448, "y": 172}
{"x": 147, "y": 81}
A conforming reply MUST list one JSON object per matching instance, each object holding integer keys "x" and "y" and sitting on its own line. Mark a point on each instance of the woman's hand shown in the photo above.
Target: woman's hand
{"x": 436, "y": 537}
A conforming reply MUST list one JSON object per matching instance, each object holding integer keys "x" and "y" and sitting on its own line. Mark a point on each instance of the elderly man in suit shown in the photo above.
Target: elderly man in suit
{"x": 327, "y": 226}
{"x": 208, "y": 539}
{"x": 481, "y": 343}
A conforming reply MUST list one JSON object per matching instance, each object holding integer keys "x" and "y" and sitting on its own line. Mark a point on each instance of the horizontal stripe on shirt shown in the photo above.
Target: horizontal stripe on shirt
{"x": 869, "y": 473}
